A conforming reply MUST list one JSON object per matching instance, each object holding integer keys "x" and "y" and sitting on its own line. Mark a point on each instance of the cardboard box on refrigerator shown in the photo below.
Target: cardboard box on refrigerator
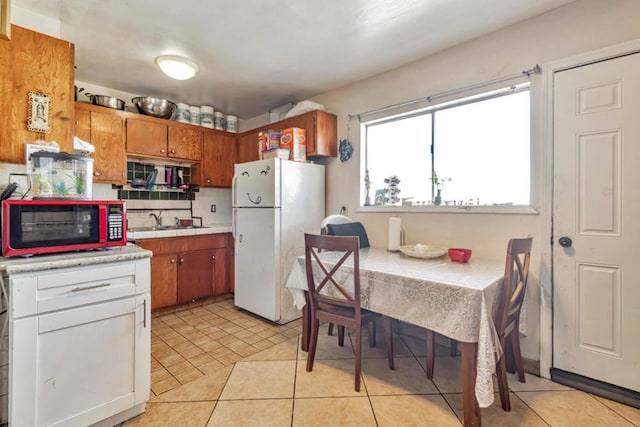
{"x": 295, "y": 139}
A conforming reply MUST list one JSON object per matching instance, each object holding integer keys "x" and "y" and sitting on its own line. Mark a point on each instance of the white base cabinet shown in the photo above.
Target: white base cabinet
{"x": 79, "y": 344}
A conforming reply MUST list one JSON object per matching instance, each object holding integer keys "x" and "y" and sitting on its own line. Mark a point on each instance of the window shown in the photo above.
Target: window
{"x": 474, "y": 151}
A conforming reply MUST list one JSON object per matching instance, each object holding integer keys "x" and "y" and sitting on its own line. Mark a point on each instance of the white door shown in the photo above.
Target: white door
{"x": 596, "y": 270}
{"x": 257, "y": 270}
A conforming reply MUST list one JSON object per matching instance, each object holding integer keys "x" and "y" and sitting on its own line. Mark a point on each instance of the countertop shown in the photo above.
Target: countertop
{"x": 209, "y": 229}
{"x": 15, "y": 265}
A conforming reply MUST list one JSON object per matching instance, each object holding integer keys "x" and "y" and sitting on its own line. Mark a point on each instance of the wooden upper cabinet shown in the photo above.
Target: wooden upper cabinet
{"x": 321, "y": 133}
{"x": 184, "y": 143}
{"x": 151, "y": 137}
{"x": 146, "y": 138}
{"x": 34, "y": 62}
{"x": 247, "y": 148}
{"x": 108, "y": 136}
{"x": 105, "y": 130}
{"x": 218, "y": 158}
{"x": 82, "y": 123}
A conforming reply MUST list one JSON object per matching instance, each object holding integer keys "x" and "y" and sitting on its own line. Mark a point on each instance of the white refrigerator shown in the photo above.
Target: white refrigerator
{"x": 274, "y": 203}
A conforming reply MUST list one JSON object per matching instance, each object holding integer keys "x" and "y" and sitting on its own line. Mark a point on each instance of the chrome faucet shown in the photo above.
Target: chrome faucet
{"x": 157, "y": 218}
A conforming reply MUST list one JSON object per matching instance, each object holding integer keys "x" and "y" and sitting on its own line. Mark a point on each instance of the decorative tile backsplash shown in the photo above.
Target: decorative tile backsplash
{"x": 156, "y": 195}
{"x": 158, "y": 189}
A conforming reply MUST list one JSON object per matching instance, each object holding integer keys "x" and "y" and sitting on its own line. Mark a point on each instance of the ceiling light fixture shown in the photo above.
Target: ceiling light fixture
{"x": 177, "y": 67}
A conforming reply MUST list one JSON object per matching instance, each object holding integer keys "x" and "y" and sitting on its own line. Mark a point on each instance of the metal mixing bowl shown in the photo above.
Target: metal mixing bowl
{"x": 156, "y": 107}
{"x": 106, "y": 101}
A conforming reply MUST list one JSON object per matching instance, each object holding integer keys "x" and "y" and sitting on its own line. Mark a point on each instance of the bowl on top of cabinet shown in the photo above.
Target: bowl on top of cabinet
{"x": 156, "y": 107}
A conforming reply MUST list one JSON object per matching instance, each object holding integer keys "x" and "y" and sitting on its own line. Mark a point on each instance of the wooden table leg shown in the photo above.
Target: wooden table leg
{"x": 306, "y": 319}
{"x": 470, "y": 403}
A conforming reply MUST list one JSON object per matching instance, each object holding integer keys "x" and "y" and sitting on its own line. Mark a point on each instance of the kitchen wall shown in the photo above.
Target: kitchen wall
{"x": 575, "y": 28}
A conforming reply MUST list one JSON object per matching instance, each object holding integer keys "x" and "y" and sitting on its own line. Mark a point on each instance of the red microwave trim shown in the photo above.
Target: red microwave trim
{"x": 7, "y": 250}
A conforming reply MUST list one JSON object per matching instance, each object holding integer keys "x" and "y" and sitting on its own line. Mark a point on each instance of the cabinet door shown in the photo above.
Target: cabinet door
{"x": 184, "y": 143}
{"x": 304, "y": 121}
{"x": 322, "y": 132}
{"x": 220, "y": 282}
{"x": 218, "y": 158}
{"x": 195, "y": 275}
{"x": 247, "y": 147}
{"x": 58, "y": 358}
{"x": 164, "y": 287}
{"x": 33, "y": 61}
{"x": 230, "y": 266}
{"x": 108, "y": 136}
{"x": 146, "y": 138}
{"x": 82, "y": 124}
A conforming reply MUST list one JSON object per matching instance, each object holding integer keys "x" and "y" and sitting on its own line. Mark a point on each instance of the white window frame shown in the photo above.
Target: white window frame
{"x": 474, "y": 209}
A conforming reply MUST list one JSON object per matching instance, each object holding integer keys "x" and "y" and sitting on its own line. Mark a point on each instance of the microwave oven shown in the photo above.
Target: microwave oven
{"x": 31, "y": 227}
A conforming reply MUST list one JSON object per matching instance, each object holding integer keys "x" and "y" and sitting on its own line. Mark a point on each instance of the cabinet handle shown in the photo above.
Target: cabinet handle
{"x": 163, "y": 151}
{"x": 208, "y": 181}
{"x": 144, "y": 315}
{"x": 181, "y": 260}
{"x": 96, "y": 173}
{"x": 86, "y": 288}
{"x": 213, "y": 257}
{"x": 173, "y": 261}
{"x": 173, "y": 151}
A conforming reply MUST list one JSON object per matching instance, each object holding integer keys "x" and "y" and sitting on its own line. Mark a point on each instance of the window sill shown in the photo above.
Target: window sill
{"x": 495, "y": 210}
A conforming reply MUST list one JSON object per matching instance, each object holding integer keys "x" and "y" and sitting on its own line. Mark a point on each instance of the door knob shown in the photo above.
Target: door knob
{"x": 565, "y": 242}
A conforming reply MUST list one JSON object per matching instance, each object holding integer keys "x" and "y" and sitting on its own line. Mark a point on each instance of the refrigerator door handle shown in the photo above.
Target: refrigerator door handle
{"x": 233, "y": 190}
{"x": 233, "y": 223}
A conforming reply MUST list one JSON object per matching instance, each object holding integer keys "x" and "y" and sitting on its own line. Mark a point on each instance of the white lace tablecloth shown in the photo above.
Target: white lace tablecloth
{"x": 450, "y": 298}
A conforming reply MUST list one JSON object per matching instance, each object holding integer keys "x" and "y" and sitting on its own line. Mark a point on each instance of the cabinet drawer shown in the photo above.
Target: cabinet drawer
{"x": 173, "y": 245}
{"x": 73, "y": 287}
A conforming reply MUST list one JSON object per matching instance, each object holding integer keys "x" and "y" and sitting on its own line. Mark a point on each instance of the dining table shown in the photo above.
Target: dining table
{"x": 451, "y": 298}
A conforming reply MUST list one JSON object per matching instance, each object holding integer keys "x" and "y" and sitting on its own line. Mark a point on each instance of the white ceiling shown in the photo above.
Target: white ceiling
{"x": 255, "y": 55}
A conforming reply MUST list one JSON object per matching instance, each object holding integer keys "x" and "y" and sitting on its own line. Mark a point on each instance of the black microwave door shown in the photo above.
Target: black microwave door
{"x": 34, "y": 226}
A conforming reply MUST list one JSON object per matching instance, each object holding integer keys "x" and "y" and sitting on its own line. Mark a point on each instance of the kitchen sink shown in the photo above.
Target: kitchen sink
{"x": 164, "y": 227}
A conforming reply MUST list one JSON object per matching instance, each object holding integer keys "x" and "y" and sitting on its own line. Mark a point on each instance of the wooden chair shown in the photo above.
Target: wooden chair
{"x": 326, "y": 229}
{"x": 331, "y": 301}
{"x": 506, "y": 316}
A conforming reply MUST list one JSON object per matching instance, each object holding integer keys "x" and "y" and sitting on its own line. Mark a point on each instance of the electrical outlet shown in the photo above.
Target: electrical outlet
{"x": 213, "y": 208}
{"x": 22, "y": 182}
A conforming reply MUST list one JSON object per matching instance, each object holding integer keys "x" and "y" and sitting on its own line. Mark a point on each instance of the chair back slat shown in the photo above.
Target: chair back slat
{"x": 335, "y": 296}
{"x": 514, "y": 285}
{"x": 329, "y": 275}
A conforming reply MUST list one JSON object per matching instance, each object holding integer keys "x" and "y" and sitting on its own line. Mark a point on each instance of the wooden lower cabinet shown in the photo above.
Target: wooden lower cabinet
{"x": 164, "y": 286}
{"x": 185, "y": 269}
{"x": 195, "y": 275}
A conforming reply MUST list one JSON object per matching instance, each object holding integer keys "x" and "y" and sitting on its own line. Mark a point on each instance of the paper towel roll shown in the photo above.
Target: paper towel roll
{"x": 395, "y": 230}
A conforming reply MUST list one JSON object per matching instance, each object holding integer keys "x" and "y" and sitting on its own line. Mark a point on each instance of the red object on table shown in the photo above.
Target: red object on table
{"x": 459, "y": 254}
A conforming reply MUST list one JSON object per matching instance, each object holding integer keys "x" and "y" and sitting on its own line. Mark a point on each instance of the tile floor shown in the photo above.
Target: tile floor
{"x": 188, "y": 344}
{"x": 260, "y": 380}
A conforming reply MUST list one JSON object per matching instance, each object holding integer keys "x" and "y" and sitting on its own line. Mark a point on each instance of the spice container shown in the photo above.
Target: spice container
{"x": 218, "y": 120}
